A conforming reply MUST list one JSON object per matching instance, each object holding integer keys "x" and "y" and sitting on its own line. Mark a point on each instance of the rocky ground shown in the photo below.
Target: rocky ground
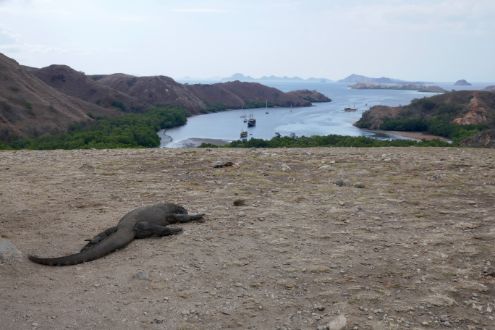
{"x": 384, "y": 238}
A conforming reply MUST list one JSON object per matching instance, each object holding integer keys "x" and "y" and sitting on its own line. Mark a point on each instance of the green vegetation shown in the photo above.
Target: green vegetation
{"x": 327, "y": 141}
{"x": 433, "y": 126}
{"x": 125, "y": 131}
{"x": 429, "y": 115}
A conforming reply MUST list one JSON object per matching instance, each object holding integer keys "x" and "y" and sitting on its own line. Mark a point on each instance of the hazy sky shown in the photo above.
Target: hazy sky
{"x": 435, "y": 40}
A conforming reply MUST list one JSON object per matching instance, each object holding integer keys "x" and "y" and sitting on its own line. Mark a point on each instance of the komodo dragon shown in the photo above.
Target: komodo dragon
{"x": 142, "y": 222}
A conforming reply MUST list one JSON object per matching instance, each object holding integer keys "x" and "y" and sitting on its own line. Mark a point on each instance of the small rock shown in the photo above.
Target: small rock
{"x": 220, "y": 164}
{"x": 285, "y": 167}
{"x": 142, "y": 275}
{"x": 359, "y": 185}
{"x": 239, "y": 202}
{"x": 340, "y": 183}
{"x": 86, "y": 167}
{"x": 319, "y": 307}
{"x": 8, "y": 252}
{"x": 339, "y": 323}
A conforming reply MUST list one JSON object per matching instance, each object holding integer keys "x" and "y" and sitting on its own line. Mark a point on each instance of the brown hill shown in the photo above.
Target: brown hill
{"x": 29, "y": 107}
{"x": 237, "y": 94}
{"x": 440, "y": 115}
{"x": 459, "y": 107}
{"x": 199, "y": 98}
{"x": 310, "y": 95}
{"x": 77, "y": 84}
{"x": 153, "y": 90}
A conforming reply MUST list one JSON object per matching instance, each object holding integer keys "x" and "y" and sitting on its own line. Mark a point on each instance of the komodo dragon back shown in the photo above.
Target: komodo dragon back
{"x": 140, "y": 223}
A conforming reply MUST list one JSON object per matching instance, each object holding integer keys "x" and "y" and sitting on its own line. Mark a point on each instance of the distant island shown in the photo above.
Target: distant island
{"x": 275, "y": 79}
{"x": 360, "y": 79}
{"x": 404, "y": 86}
{"x": 462, "y": 82}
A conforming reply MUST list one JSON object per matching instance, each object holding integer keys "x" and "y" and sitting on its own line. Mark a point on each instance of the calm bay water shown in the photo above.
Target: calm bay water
{"x": 320, "y": 119}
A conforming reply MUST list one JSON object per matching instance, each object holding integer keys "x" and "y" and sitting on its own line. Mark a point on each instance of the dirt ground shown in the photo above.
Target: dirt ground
{"x": 329, "y": 238}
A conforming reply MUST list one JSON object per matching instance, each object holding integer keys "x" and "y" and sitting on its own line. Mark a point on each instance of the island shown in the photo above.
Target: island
{"x": 402, "y": 86}
{"x": 462, "y": 82}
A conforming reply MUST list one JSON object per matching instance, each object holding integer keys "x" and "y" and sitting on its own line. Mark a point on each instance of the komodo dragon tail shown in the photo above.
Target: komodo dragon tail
{"x": 114, "y": 242}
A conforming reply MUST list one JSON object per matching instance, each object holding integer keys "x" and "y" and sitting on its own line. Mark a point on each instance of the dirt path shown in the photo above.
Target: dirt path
{"x": 404, "y": 240}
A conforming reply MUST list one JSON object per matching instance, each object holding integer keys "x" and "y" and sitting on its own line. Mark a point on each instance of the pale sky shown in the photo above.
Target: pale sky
{"x": 429, "y": 40}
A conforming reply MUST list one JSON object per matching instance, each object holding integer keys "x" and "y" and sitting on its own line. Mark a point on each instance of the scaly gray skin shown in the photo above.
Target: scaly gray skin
{"x": 142, "y": 222}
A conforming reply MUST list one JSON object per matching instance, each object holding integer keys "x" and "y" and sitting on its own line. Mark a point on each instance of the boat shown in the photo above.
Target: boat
{"x": 251, "y": 121}
{"x": 244, "y": 135}
{"x": 350, "y": 109}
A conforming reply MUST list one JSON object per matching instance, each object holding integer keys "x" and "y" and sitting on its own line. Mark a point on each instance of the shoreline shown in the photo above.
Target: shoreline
{"x": 418, "y": 136}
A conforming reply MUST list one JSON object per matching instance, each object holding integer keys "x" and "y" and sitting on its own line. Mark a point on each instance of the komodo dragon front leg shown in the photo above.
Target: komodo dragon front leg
{"x": 144, "y": 229}
{"x": 184, "y": 218}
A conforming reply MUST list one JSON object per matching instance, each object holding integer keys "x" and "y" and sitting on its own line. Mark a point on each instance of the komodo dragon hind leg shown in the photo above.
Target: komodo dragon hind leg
{"x": 183, "y": 218}
{"x": 145, "y": 229}
{"x": 100, "y": 237}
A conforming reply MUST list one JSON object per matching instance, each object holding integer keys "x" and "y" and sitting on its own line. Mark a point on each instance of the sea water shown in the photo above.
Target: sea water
{"x": 320, "y": 119}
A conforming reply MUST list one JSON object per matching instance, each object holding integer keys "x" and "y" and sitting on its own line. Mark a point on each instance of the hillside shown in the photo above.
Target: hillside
{"x": 77, "y": 84}
{"x": 310, "y": 95}
{"x": 438, "y": 114}
{"x": 201, "y": 98}
{"x": 153, "y": 90}
{"x": 29, "y": 107}
{"x": 379, "y": 238}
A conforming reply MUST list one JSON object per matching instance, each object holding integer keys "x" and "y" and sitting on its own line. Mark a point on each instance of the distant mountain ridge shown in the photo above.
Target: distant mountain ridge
{"x": 275, "y": 79}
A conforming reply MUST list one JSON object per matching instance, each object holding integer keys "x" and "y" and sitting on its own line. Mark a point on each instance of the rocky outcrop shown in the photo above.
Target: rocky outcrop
{"x": 490, "y": 88}
{"x": 477, "y": 113}
{"x": 8, "y": 252}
